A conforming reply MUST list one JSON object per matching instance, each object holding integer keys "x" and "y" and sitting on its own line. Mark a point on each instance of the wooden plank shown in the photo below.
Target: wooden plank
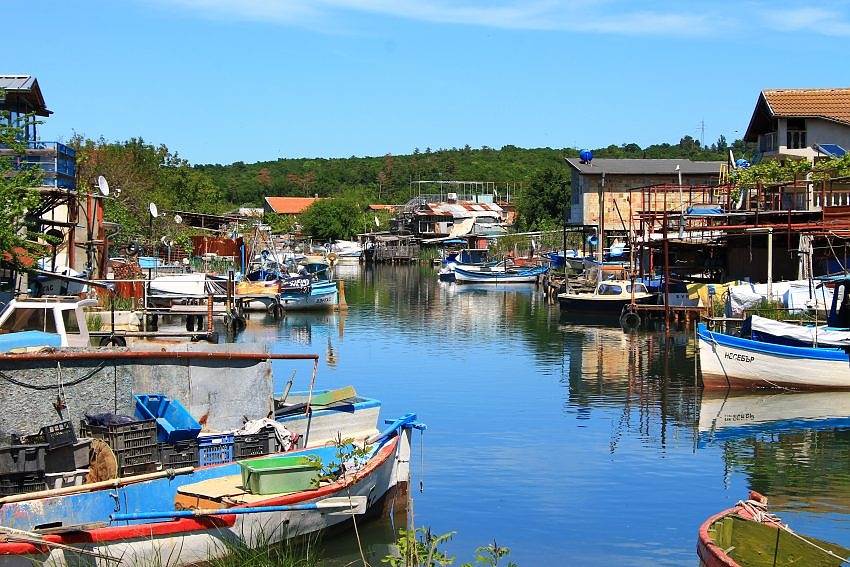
{"x": 320, "y": 400}
{"x": 332, "y": 396}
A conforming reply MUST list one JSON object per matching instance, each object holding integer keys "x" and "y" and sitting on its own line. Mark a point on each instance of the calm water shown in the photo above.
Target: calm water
{"x": 568, "y": 442}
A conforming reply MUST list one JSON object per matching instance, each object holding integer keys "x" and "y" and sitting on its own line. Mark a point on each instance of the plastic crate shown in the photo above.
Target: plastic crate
{"x": 215, "y": 449}
{"x": 22, "y": 483}
{"x": 280, "y": 474}
{"x": 134, "y": 444}
{"x": 66, "y": 479}
{"x": 179, "y": 454}
{"x": 257, "y": 444}
{"x": 59, "y": 435}
{"x": 133, "y": 435}
{"x": 174, "y": 422}
{"x": 69, "y": 457}
{"x": 20, "y": 459}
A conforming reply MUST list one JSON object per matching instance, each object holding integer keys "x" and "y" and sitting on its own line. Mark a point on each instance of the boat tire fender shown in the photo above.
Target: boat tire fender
{"x": 113, "y": 341}
{"x": 630, "y": 321}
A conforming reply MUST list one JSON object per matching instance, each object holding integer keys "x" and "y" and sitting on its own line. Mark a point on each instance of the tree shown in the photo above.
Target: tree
{"x": 542, "y": 203}
{"x": 18, "y": 181}
{"x": 332, "y": 219}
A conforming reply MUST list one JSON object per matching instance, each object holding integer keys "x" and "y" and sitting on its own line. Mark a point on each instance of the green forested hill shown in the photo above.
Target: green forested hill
{"x": 387, "y": 179}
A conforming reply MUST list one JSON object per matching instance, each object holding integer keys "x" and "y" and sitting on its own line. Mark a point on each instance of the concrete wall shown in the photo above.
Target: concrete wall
{"x": 217, "y": 391}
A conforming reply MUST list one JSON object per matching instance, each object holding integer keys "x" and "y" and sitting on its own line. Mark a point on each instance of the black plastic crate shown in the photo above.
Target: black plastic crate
{"x": 68, "y": 458}
{"x": 20, "y": 459}
{"x": 22, "y": 483}
{"x": 133, "y": 435}
{"x": 59, "y": 435}
{"x": 179, "y": 454}
{"x": 256, "y": 444}
{"x": 139, "y": 456}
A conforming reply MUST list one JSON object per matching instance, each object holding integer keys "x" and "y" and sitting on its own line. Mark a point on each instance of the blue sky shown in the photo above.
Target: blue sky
{"x": 219, "y": 81}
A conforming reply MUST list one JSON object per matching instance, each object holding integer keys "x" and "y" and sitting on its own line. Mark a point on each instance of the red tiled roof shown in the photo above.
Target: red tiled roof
{"x": 290, "y": 205}
{"x": 830, "y": 104}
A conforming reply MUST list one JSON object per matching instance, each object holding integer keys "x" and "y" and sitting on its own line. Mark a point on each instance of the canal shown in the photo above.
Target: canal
{"x": 569, "y": 442}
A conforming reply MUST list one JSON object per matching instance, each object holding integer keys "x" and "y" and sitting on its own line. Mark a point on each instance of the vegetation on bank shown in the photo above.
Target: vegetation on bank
{"x": 144, "y": 174}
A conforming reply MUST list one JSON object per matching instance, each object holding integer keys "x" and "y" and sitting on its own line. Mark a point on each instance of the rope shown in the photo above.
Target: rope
{"x": 43, "y": 387}
{"x": 60, "y": 391}
{"x": 762, "y": 516}
{"x": 421, "y": 461}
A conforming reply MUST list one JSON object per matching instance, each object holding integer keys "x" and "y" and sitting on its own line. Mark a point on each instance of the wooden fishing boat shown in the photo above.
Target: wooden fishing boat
{"x": 499, "y": 276}
{"x": 727, "y": 361}
{"x": 746, "y": 535}
{"x": 188, "y": 516}
{"x": 469, "y": 259}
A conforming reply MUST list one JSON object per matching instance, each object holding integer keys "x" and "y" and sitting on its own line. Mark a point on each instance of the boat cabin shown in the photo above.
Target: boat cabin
{"x": 64, "y": 318}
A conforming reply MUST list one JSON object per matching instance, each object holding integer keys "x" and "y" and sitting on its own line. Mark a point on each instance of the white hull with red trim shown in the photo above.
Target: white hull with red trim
{"x": 184, "y": 541}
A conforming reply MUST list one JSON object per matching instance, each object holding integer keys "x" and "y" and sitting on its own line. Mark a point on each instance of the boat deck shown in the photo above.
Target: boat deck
{"x": 221, "y": 492}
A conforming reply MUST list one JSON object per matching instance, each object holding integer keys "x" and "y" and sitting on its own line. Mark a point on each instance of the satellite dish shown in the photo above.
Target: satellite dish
{"x": 102, "y": 185}
{"x": 166, "y": 241}
{"x": 178, "y": 219}
{"x": 153, "y": 210}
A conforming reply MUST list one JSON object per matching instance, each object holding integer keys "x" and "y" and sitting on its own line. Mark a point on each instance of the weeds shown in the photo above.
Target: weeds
{"x": 421, "y": 548}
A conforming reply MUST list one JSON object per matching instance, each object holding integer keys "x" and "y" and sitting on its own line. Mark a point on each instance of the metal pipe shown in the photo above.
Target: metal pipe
{"x": 148, "y": 354}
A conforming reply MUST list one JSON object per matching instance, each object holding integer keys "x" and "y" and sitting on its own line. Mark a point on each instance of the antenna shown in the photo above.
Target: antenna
{"x": 153, "y": 210}
{"x": 102, "y": 185}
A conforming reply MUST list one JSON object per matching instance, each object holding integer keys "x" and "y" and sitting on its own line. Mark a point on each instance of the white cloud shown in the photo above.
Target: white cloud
{"x": 816, "y": 20}
{"x": 616, "y": 17}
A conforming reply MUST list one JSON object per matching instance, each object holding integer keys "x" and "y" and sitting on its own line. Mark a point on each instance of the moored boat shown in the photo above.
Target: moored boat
{"x": 608, "y": 296}
{"x": 747, "y": 535}
{"x": 184, "y": 517}
{"x": 499, "y": 276}
{"x": 727, "y": 361}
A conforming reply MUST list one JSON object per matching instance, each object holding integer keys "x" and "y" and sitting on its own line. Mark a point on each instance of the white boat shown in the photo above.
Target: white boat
{"x": 727, "y": 361}
{"x": 49, "y": 321}
{"x": 499, "y": 275}
{"x": 345, "y": 251}
{"x": 194, "y": 284}
{"x": 470, "y": 259}
{"x": 609, "y": 296}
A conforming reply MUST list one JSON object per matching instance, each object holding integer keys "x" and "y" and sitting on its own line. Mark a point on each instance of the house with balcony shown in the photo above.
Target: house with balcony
{"x": 799, "y": 124}
{"x": 58, "y": 214}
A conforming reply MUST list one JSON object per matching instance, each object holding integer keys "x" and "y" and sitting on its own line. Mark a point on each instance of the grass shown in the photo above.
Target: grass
{"x": 289, "y": 553}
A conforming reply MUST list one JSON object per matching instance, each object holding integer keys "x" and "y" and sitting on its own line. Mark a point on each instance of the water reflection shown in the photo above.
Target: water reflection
{"x": 553, "y": 434}
{"x": 789, "y": 445}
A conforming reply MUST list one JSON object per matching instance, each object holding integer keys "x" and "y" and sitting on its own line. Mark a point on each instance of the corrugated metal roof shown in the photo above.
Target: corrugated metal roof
{"x": 462, "y": 209}
{"x": 24, "y": 88}
{"x": 644, "y": 166}
{"x": 16, "y": 82}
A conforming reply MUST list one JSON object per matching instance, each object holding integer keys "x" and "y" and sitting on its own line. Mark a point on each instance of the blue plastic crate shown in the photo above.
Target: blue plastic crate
{"x": 215, "y": 449}
{"x": 173, "y": 422}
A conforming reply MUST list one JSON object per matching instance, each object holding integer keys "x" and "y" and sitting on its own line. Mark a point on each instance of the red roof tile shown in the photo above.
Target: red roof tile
{"x": 830, "y": 104}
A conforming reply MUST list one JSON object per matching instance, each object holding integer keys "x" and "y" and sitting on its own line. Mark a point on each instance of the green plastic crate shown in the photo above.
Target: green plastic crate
{"x": 280, "y": 474}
